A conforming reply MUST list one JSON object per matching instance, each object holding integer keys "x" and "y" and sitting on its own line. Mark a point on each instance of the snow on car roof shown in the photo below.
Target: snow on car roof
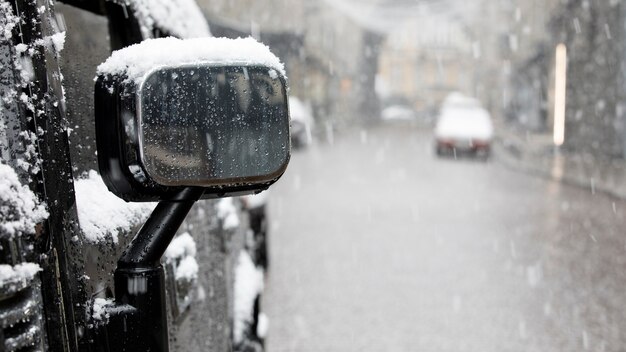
{"x": 459, "y": 99}
{"x": 136, "y": 60}
{"x": 464, "y": 122}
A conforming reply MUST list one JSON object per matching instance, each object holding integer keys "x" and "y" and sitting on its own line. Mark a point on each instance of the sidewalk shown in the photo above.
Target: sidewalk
{"x": 535, "y": 153}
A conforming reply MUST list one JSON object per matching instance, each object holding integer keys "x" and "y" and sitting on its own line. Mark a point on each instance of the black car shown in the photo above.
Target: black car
{"x": 73, "y": 274}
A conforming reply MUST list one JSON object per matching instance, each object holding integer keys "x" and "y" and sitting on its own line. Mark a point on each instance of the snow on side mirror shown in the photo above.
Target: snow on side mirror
{"x": 208, "y": 113}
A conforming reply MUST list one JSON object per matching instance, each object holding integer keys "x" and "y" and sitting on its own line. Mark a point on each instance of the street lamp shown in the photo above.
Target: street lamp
{"x": 560, "y": 91}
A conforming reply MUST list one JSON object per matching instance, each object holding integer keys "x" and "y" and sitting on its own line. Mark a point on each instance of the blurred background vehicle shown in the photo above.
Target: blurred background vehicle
{"x": 302, "y": 123}
{"x": 463, "y": 126}
{"x": 257, "y": 241}
{"x": 398, "y": 113}
{"x": 399, "y": 108}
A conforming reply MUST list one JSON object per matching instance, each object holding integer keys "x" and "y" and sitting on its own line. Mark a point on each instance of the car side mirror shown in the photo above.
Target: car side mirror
{"x": 193, "y": 117}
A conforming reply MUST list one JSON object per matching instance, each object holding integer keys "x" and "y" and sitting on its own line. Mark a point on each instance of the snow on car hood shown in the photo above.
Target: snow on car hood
{"x": 137, "y": 60}
{"x": 102, "y": 214}
{"x": 456, "y": 99}
{"x": 248, "y": 286}
{"x": 19, "y": 272}
{"x": 20, "y": 210}
{"x": 464, "y": 123}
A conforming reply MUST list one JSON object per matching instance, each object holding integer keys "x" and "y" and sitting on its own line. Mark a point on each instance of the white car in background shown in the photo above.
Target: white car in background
{"x": 398, "y": 113}
{"x": 301, "y": 123}
{"x": 463, "y": 125}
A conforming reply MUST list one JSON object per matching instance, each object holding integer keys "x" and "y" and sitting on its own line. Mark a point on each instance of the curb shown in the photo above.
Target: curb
{"x": 573, "y": 170}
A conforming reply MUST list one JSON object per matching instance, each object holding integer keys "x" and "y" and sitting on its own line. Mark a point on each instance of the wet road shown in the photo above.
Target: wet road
{"x": 376, "y": 245}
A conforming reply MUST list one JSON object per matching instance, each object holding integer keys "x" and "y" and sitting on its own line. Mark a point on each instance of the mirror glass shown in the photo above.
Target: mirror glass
{"x": 207, "y": 125}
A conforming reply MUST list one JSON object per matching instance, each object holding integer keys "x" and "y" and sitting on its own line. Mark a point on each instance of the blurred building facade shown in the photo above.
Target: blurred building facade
{"x": 455, "y": 47}
{"x": 593, "y": 33}
{"x": 503, "y": 53}
{"x": 527, "y": 49}
{"x": 424, "y": 60}
{"x": 324, "y": 51}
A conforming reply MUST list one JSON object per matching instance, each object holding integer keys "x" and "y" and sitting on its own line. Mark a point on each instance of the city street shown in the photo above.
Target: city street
{"x": 378, "y": 245}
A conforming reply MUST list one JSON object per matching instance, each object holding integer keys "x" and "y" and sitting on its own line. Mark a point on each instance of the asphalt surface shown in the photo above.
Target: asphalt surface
{"x": 378, "y": 245}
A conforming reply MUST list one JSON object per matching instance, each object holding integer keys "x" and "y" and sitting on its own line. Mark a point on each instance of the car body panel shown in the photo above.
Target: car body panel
{"x": 77, "y": 271}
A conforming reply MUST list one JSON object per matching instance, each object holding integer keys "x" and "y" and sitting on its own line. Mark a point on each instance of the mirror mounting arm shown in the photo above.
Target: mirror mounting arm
{"x": 148, "y": 246}
{"x": 140, "y": 301}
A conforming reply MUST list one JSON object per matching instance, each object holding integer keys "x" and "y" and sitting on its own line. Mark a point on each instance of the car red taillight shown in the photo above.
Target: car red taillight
{"x": 480, "y": 144}
{"x": 446, "y": 143}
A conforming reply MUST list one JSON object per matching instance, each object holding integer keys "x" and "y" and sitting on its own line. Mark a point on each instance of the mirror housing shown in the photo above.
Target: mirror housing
{"x": 220, "y": 126}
